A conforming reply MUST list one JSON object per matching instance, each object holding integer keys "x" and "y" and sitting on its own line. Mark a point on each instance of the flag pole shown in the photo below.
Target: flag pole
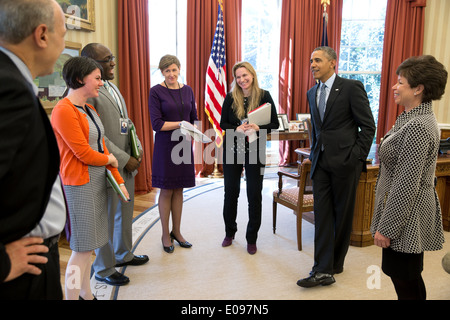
{"x": 216, "y": 87}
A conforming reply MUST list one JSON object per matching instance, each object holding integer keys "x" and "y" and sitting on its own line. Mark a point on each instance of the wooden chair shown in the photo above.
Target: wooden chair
{"x": 295, "y": 198}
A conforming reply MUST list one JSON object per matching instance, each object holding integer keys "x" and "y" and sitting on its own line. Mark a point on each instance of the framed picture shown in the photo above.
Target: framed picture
{"x": 53, "y": 87}
{"x": 285, "y": 119}
{"x": 280, "y": 124}
{"x": 80, "y": 14}
{"x": 296, "y": 126}
{"x": 303, "y": 116}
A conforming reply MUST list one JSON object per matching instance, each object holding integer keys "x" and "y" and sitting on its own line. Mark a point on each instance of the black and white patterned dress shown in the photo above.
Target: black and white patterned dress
{"x": 407, "y": 208}
{"x": 87, "y": 203}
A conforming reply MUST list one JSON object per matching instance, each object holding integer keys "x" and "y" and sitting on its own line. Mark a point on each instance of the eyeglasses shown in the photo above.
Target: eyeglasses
{"x": 107, "y": 59}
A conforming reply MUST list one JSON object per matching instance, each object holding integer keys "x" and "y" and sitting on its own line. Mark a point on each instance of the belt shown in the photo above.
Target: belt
{"x": 50, "y": 242}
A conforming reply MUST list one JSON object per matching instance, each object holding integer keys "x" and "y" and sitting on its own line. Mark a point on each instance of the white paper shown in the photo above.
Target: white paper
{"x": 188, "y": 129}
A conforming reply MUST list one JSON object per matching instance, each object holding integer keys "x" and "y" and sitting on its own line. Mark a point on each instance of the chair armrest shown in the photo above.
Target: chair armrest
{"x": 280, "y": 179}
{"x": 289, "y": 175}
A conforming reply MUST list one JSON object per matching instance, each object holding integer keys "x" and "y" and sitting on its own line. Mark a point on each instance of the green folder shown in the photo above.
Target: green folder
{"x": 134, "y": 143}
{"x": 112, "y": 181}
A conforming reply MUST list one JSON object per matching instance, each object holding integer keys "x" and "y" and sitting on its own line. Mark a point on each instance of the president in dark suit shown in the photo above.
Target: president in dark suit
{"x": 32, "y": 208}
{"x": 343, "y": 129}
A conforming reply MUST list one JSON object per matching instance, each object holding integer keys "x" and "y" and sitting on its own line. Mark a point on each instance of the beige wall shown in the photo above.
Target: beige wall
{"x": 437, "y": 43}
{"x": 105, "y": 28}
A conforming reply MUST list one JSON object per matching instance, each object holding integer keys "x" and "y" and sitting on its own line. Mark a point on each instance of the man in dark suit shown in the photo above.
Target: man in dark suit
{"x": 113, "y": 112}
{"x": 32, "y": 208}
{"x": 343, "y": 129}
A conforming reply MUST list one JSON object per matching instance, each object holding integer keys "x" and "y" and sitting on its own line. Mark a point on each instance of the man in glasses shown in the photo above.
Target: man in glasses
{"x": 114, "y": 115}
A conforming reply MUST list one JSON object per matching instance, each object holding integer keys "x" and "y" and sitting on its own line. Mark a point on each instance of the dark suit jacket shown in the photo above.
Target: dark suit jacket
{"x": 347, "y": 129}
{"x": 29, "y": 158}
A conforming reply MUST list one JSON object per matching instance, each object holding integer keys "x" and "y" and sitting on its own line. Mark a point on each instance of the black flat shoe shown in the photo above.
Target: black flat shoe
{"x": 116, "y": 279}
{"x": 136, "y": 261}
{"x": 316, "y": 279}
{"x": 182, "y": 244}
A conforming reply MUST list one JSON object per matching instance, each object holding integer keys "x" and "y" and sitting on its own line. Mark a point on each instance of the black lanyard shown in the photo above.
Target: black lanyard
{"x": 176, "y": 103}
{"x": 99, "y": 139}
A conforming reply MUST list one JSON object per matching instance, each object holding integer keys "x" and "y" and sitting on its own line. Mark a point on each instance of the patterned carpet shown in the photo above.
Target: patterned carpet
{"x": 209, "y": 272}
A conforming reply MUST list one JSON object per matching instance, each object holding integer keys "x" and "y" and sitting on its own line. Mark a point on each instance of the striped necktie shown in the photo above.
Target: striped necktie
{"x": 322, "y": 102}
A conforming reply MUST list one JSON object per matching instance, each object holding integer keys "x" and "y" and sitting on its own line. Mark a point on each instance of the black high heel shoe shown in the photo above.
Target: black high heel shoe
{"x": 182, "y": 244}
{"x": 168, "y": 249}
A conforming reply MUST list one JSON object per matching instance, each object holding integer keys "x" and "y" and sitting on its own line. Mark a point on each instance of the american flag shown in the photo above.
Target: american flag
{"x": 216, "y": 82}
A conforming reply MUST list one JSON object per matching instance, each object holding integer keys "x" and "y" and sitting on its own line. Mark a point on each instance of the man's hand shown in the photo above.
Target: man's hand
{"x": 132, "y": 164}
{"x": 23, "y": 254}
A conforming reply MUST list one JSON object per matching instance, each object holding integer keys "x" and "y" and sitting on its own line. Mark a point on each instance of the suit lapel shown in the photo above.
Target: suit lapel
{"x": 313, "y": 101}
{"x": 334, "y": 93}
{"x": 105, "y": 92}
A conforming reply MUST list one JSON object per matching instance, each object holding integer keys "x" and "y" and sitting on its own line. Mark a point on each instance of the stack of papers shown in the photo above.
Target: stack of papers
{"x": 188, "y": 129}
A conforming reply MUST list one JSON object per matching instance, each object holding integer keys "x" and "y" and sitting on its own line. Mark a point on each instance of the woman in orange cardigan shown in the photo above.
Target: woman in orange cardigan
{"x": 84, "y": 160}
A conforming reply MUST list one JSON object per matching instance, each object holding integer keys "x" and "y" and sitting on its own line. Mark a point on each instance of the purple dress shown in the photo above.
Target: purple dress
{"x": 173, "y": 161}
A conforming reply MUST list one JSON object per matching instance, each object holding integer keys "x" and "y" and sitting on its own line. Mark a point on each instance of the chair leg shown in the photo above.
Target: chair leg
{"x": 299, "y": 231}
{"x": 274, "y": 216}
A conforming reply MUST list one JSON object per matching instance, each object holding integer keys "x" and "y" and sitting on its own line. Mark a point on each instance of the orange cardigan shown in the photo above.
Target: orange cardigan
{"x": 72, "y": 133}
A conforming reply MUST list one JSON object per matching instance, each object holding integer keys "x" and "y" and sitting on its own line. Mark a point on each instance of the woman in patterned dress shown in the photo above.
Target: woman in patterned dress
{"x": 84, "y": 159}
{"x": 407, "y": 217}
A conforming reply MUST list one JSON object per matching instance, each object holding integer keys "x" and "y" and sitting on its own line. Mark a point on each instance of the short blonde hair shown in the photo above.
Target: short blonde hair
{"x": 167, "y": 61}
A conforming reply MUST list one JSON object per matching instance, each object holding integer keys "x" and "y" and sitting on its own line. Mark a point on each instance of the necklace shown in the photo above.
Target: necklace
{"x": 176, "y": 102}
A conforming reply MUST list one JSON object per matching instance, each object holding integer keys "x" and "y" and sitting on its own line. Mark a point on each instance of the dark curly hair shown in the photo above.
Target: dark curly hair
{"x": 76, "y": 69}
{"x": 426, "y": 71}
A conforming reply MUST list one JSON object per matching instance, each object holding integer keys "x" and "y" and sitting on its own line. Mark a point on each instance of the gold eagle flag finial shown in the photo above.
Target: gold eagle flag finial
{"x": 325, "y": 3}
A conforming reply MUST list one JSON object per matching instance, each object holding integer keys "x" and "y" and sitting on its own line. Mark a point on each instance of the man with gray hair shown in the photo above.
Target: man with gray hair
{"x": 32, "y": 207}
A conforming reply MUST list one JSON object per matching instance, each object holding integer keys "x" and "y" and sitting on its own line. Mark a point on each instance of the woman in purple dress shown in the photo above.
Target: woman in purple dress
{"x": 170, "y": 103}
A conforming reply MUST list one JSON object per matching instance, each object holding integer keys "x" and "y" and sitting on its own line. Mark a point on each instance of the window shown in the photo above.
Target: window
{"x": 261, "y": 40}
{"x": 261, "y": 47}
{"x": 167, "y": 24}
{"x": 361, "y": 53}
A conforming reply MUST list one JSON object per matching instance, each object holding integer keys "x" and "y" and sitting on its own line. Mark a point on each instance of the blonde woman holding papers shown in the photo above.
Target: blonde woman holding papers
{"x": 238, "y": 153}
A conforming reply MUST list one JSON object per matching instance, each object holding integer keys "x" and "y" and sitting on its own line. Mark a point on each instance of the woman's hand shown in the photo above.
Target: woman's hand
{"x": 112, "y": 161}
{"x": 253, "y": 126}
{"x": 381, "y": 241}
{"x": 125, "y": 191}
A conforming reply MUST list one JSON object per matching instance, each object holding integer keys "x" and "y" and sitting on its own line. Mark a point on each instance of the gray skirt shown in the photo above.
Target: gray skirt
{"x": 88, "y": 211}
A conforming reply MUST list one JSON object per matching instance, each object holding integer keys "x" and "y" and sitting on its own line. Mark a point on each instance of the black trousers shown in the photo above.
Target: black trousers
{"x": 46, "y": 286}
{"x": 334, "y": 204}
{"x": 254, "y": 173}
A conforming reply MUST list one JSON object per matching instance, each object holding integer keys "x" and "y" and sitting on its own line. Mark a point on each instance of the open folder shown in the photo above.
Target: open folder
{"x": 112, "y": 181}
{"x": 261, "y": 115}
{"x": 188, "y": 129}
